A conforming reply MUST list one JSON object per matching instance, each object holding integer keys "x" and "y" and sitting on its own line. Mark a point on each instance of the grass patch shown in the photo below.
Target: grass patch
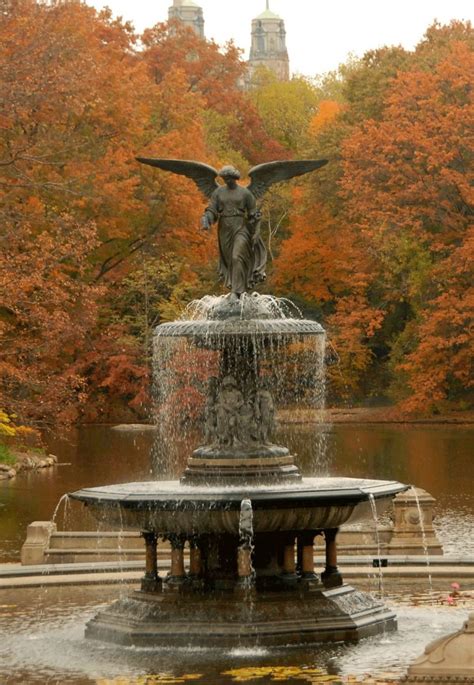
{"x": 39, "y": 451}
{"x": 6, "y": 457}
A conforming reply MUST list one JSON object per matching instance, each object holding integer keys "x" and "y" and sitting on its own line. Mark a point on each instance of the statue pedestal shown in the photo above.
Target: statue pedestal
{"x": 260, "y": 463}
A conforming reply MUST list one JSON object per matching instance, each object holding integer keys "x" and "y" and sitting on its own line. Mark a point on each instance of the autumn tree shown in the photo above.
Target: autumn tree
{"x": 408, "y": 187}
{"x": 96, "y": 248}
{"x": 75, "y": 204}
{"x": 399, "y": 200}
{"x": 217, "y": 76}
{"x": 286, "y": 108}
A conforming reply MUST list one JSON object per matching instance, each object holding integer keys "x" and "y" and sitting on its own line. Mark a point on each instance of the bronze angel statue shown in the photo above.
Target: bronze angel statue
{"x": 242, "y": 253}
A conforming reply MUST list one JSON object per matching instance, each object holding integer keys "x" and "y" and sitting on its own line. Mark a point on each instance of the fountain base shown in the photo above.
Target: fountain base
{"x": 180, "y": 616}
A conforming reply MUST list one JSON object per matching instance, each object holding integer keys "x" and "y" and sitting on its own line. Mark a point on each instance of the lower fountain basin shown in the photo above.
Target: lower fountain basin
{"x": 171, "y": 507}
{"x": 293, "y": 619}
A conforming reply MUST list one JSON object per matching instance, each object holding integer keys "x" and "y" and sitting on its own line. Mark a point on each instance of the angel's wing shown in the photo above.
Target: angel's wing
{"x": 265, "y": 175}
{"x": 203, "y": 175}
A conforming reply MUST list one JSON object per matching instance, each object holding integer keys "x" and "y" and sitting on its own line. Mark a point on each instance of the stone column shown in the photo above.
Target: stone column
{"x": 306, "y": 544}
{"x": 289, "y": 566}
{"x": 151, "y": 582}
{"x": 177, "y": 574}
{"x": 331, "y": 576}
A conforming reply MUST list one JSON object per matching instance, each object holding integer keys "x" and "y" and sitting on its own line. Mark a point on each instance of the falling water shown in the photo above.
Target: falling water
{"x": 121, "y": 548}
{"x": 246, "y": 546}
{"x": 268, "y": 306}
{"x": 66, "y": 500}
{"x": 424, "y": 540}
{"x": 200, "y": 349}
{"x": 377, "y": 539}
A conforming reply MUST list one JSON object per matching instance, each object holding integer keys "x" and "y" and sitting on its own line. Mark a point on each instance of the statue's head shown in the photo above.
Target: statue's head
{"x": 229, "y": 171}
{"x": 229, "y": 382}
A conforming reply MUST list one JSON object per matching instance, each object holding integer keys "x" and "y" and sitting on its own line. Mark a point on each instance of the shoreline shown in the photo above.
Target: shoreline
{"x": 378, "y": 415}
{"x": 26, "y": 460}
{"x": 358, "y": 415}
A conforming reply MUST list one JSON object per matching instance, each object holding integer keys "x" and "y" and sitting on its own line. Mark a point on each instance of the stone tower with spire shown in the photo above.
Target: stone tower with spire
{"x": 189, "y": 14}
{"x": 268, "y": 47}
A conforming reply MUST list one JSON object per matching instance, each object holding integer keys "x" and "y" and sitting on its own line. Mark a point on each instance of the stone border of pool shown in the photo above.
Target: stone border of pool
{"x": 361, "y": 568}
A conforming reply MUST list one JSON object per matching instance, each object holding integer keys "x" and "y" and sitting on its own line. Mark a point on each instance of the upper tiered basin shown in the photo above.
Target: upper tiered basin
{"x": 170, "y": 507}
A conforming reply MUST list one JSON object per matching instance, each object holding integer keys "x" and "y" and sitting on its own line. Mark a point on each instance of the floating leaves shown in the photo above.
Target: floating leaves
{"x": 281, "y": 674}
{"x": 152, "y": 679}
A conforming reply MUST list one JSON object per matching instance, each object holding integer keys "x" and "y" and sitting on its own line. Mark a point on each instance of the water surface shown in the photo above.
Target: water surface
{"x": 42, "y": 641}
{"x": 436, "y": 458}
{"x": 42, "y": 630}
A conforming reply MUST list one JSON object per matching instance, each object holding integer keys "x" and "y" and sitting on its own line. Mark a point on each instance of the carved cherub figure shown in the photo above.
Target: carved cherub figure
{"x": 246, "y": 424}
{"x": 265, "y": 413}
{"x": 228, "y": 406}
{"x": 210, "y": 416}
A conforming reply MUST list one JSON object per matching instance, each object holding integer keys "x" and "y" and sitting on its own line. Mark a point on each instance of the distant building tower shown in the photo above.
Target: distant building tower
{"x": 189, "y": 13}
{"x": 269, "y": 45}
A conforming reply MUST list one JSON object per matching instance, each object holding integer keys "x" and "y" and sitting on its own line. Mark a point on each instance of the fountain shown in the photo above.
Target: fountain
{"x": 242, "y": 508}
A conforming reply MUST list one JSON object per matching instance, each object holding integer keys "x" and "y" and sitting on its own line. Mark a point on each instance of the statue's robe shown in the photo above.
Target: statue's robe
{"x": 241, "y": 260}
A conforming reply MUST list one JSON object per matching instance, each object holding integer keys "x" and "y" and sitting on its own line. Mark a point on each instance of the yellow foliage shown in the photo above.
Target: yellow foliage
{"x": 151, "y": 679}
{"x": 281, "y": 674}
{"x": 22, "y": 433}
{"x": 6, "y": 426}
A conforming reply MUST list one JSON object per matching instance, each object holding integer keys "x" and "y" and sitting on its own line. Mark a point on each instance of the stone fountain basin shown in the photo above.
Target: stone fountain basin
{"x": 170, "y": 507}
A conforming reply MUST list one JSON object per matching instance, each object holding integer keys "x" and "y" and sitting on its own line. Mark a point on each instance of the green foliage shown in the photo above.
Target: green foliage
{"x": 155, "y": 290}
{"x": 218, "y": 129}
{"x": 6, "y": 457}
{"x": 367, "y": 81}
{"x": 286, "y": 109}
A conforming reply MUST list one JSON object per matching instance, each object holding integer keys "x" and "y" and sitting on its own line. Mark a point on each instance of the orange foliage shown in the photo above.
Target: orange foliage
{"x": 384, "y": 255}
{"x": 324, "y": 261}
{"x": 327, "y": 112}
{"x": 46, "y": 313}
{"x": 315, "y": 261}
{"x": 77, "y": 105}
{"x": 408, "y": 185}
{"x": 216, "y": 76}
{"x": 442, "y": 361}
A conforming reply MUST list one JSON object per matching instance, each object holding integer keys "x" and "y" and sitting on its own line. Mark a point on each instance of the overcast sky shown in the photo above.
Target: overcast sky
{"x": 320, "y": 35}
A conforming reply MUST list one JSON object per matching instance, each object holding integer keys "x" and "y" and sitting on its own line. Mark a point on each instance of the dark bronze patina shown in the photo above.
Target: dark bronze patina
{"x": 242, "y": 253}
{"x": 242, "y": 509}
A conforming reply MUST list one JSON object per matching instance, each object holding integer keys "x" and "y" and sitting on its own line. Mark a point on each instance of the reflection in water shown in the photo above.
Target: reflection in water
{"x": 436, "y": 458}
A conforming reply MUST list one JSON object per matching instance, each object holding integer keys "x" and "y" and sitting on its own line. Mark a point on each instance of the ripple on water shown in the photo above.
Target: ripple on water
{"x": 42, "y": 641}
